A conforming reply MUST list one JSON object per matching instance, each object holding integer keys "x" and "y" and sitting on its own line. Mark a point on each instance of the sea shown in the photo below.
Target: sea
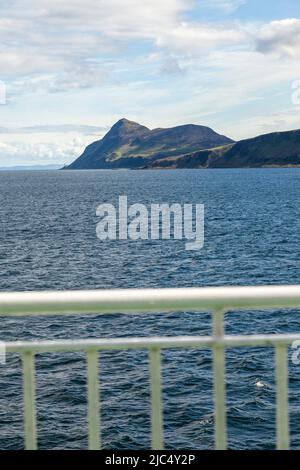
{"x": 48, "y": 242}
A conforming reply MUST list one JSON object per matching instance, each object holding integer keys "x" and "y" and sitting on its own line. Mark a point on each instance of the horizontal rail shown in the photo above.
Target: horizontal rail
{"x": 168, "y": 342}
{"x": 149, "y": 300}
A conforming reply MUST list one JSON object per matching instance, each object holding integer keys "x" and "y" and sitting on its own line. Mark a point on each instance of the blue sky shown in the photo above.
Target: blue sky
{"x": 73, "y": 67}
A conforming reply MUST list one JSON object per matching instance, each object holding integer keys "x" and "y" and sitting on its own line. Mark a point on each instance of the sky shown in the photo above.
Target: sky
{"x": 69, "y": 69}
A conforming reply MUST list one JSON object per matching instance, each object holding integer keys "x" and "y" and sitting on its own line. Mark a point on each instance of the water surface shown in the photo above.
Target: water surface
{"x": 48, "y": 241}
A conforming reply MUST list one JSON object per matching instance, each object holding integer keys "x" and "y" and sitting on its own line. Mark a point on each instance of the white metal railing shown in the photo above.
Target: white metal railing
{"x": 217, "y": 300}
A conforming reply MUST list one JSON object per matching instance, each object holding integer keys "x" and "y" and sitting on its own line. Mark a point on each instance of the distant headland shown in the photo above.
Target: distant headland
{"x": 129, "y": 145}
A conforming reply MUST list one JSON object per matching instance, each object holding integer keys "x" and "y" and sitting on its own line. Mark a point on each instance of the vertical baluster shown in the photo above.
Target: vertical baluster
{"x": 282, "y": 413}
{"x": 29, "y": 401}
{"x": 156, "y": 402}
{"x": 93, "y": 401}
{"x": 219, "y": 383}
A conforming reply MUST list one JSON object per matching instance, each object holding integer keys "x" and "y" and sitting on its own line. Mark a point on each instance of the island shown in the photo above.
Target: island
{"x": 129, "y": 145}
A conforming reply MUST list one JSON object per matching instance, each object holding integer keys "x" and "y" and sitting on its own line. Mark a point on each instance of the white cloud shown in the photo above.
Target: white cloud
{"x": 67, "y": 44}
{"x": 56, "y": 128}
{"x": 280, "y": 37}
{"x": 63, "y": 44}
{"x": 71, "y": 79}
{"x": 189, "y": 39}
{"x": 21, "y": 153}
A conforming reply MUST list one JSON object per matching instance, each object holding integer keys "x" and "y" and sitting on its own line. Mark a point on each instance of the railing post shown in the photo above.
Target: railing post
{"x": 219, "y": 382}
{"x": 156, "y": 402}
{"x": 29, "y": 401}
{"x": 282, "y": 401}
{"x": 93, "y": 400}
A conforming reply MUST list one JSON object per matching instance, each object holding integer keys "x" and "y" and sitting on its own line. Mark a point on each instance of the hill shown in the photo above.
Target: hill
{"x": 130, "y": 145}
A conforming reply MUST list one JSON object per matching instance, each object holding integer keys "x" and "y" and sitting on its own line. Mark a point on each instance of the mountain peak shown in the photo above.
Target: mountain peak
{"x": 124, "y": 122}
{"x": 126, "y": 129}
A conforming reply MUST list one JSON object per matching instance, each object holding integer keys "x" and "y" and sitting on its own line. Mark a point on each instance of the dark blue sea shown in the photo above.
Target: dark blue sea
{"x": 48, "y": 241}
